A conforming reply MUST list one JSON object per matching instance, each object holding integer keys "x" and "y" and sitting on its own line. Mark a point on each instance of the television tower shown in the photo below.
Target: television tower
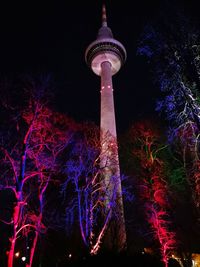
{"x": 105, "y": 56}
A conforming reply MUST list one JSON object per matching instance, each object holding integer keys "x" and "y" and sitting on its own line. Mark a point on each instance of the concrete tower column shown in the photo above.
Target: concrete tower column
{"x": 110, "y": 161}
{"x": 107, "y": 102}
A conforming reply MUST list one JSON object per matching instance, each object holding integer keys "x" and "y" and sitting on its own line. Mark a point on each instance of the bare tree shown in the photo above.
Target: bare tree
{"x": 29, "y": 161}
{"x": 90, "y": 199}
{"x": 153, "y": 187}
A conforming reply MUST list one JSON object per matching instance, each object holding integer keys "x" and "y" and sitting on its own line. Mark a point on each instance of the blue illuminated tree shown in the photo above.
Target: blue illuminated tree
{"x": 82, "y": 179}
{"x": 86, "y": 203}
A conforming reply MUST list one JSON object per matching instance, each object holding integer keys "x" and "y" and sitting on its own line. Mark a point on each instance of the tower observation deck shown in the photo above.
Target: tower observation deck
{"x": 105, "y": 48}
{"x": 105, "y": 56}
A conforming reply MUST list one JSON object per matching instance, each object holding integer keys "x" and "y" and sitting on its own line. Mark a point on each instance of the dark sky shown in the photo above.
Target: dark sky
{"x": 51, "y": 37}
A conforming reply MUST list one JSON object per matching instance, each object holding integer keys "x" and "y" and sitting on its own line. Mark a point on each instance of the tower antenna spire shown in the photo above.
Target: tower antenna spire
{"x": 104, "y": 17}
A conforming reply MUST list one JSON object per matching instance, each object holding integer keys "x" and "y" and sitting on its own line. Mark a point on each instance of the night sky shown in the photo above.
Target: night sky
{"x": 38, "y": 37}
{"x": 50, "y": 37}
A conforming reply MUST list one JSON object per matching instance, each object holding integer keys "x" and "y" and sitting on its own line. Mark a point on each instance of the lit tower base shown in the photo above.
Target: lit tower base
{"x": 105, "y": 56}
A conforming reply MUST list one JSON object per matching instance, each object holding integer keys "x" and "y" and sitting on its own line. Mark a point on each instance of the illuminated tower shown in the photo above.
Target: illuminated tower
{"x": 105, "y": 56}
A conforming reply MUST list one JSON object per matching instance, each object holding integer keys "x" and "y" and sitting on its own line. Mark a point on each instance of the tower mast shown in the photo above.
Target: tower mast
{"x": 105, "y": 56}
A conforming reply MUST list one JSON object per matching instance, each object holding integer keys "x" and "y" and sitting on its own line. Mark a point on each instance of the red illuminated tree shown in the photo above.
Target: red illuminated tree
{"x": 30, "y": 150}
{"x": 153, "y": 186}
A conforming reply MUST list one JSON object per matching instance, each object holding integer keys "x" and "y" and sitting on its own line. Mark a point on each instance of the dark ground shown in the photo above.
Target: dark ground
{"x": 138, "y": 260}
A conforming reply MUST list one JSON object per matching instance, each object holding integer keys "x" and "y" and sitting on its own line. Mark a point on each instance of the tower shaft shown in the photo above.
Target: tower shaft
{"x": 107, "y": 102}
{"x": 115, "y": 237}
